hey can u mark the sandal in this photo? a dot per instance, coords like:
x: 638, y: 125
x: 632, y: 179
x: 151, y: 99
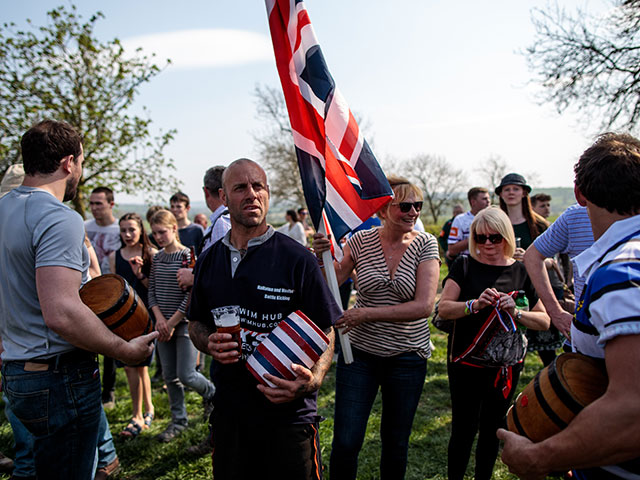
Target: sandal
x: 132, y: 430
x: 148, y: 418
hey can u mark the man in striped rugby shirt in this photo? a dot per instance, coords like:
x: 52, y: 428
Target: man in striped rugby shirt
x: 603, y: 441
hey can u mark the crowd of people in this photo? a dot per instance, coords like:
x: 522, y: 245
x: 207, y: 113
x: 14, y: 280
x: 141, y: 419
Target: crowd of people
x: 510, y: 289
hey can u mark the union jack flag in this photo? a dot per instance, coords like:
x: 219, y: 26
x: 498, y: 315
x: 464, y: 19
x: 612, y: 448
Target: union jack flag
x: 342, y: 181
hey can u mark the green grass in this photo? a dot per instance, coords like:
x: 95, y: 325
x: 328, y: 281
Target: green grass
x: 145, y: 458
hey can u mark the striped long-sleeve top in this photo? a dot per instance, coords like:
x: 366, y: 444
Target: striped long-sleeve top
x: 376, y: 288
x: 164, y: 291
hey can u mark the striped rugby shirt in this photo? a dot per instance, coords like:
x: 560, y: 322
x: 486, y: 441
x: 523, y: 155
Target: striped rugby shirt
x: 609, y: 304
x: 377, y: 289
x: 164, y: 291
x: 571, y: 234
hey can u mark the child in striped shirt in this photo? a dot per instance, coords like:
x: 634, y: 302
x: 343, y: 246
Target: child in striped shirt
x: 168, y: 303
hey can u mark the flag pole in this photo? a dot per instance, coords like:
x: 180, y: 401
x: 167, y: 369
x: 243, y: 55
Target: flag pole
x: 332, y: 280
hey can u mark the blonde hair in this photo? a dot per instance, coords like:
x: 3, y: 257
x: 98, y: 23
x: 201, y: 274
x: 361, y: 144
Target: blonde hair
x: 402, y: 189
x: 494, y: 219
x: 163, y: 217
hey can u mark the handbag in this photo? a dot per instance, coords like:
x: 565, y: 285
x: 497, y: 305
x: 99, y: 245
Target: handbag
x: 499, y: 343
x: 437, y: 321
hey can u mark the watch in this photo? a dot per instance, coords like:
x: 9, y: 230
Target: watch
x: 518, y: 314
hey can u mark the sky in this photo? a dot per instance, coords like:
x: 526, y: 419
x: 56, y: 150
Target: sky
x: 429, y: 76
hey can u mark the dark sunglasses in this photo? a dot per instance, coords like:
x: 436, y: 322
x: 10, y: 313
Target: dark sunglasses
x: 405, y: 207
x: 493, y: 238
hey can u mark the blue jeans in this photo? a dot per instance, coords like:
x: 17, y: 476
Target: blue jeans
x: 178, y: 357
x: 23, y: 445
x: 24, y: 465
x: 106, y: 452
x: 61, y: 408
x: 401, y: 379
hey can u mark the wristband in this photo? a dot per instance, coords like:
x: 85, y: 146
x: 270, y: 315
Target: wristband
x: 468, y: 307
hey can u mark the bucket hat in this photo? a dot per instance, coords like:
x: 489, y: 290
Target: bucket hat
x: 513, y: 179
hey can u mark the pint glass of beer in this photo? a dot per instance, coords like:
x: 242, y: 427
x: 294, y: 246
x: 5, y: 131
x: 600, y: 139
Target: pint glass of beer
x: 227, y: 320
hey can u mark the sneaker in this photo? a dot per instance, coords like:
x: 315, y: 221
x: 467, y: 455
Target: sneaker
x: 171, y: 432
x: 105, y: 472
x: 207, y: 406
x: 201, y: 449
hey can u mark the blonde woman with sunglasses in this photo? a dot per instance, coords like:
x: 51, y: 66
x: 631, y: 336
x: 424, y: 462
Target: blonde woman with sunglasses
x: 477, y: 292
x: 397, y: 275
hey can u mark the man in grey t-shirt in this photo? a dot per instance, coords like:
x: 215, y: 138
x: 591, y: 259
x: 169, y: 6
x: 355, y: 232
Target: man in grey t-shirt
x: 50, y: 375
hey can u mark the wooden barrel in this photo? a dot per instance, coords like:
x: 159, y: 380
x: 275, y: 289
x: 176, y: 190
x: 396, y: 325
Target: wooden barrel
x: 556, y: 395
x: 116, y: 303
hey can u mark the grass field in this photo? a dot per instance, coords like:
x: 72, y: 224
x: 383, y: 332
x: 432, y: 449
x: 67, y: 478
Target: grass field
x: 144, y: 458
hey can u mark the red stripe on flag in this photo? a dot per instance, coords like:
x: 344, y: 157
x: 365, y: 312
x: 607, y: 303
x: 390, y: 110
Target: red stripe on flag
x: 335, y: 175
x: 308, y: 321
x: 298, y: 340
x: 350, y: 138
x: 278, y: 365
x: 303, y: 21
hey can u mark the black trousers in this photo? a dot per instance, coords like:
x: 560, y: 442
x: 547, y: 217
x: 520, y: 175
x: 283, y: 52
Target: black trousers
x: 108, y: 378
x: 478, y: 405
x: 243, y: 450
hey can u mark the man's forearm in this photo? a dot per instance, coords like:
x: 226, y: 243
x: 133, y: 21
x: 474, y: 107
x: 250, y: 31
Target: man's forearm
x: 605, y: 432
x: 456, y: 248
x: 534, y: 262
x: 199, y: 334
x: 72, y: 320
x: 323, y: 364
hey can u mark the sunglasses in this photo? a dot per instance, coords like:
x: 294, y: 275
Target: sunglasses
x: 405, y: 207
x: 493, y: 238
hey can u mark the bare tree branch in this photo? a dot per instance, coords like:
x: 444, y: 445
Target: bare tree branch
x: 439, y: 181
x: 590, y: 64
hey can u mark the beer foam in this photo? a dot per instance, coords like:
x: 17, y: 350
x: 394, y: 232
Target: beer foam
x: 227, y: 320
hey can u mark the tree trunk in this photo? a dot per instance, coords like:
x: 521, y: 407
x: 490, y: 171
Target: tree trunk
x: 78, y: 203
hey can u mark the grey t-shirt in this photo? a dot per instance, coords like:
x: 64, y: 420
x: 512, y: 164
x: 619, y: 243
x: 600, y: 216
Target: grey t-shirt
x: 36, y: 230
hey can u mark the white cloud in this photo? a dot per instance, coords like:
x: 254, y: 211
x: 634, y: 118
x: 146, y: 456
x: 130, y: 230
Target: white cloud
x: 190, y: 49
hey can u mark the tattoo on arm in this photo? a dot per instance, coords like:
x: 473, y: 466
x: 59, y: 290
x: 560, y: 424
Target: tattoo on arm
x: 199, y: 333
x: 321, y: 367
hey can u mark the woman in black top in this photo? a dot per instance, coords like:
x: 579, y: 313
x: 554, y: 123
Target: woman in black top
x: 475, y: 290
x: 527, y: 225
x: 133, y: 262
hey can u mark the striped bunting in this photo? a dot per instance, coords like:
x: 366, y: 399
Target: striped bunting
x: 340, y: 176
x: 296, y: 339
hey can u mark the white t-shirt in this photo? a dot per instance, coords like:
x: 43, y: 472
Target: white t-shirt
x: 104, y: 241
x: 460, y: 229
x: 296, y: 232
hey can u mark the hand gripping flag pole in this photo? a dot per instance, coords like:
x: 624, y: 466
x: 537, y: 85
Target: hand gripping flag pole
x: 341, y: 178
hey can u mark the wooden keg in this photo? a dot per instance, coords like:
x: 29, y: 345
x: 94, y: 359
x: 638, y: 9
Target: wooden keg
x: 556, y: 395
x: 116, y: 303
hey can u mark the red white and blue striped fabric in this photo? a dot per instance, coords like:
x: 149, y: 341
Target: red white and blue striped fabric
x: 296, y: 339
x: 340, y: 176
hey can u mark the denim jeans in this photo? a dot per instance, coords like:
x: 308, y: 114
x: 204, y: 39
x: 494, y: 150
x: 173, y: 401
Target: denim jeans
x: 106, y: 452
x: 61, y: 408
x: 23, y: 445
x: 178, y: 357
x: 24, y: 464
x: 400, y: 379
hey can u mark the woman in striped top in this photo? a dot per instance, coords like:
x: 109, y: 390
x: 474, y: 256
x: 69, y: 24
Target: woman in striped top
x: 397, y: 274
x: 169, y: 303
